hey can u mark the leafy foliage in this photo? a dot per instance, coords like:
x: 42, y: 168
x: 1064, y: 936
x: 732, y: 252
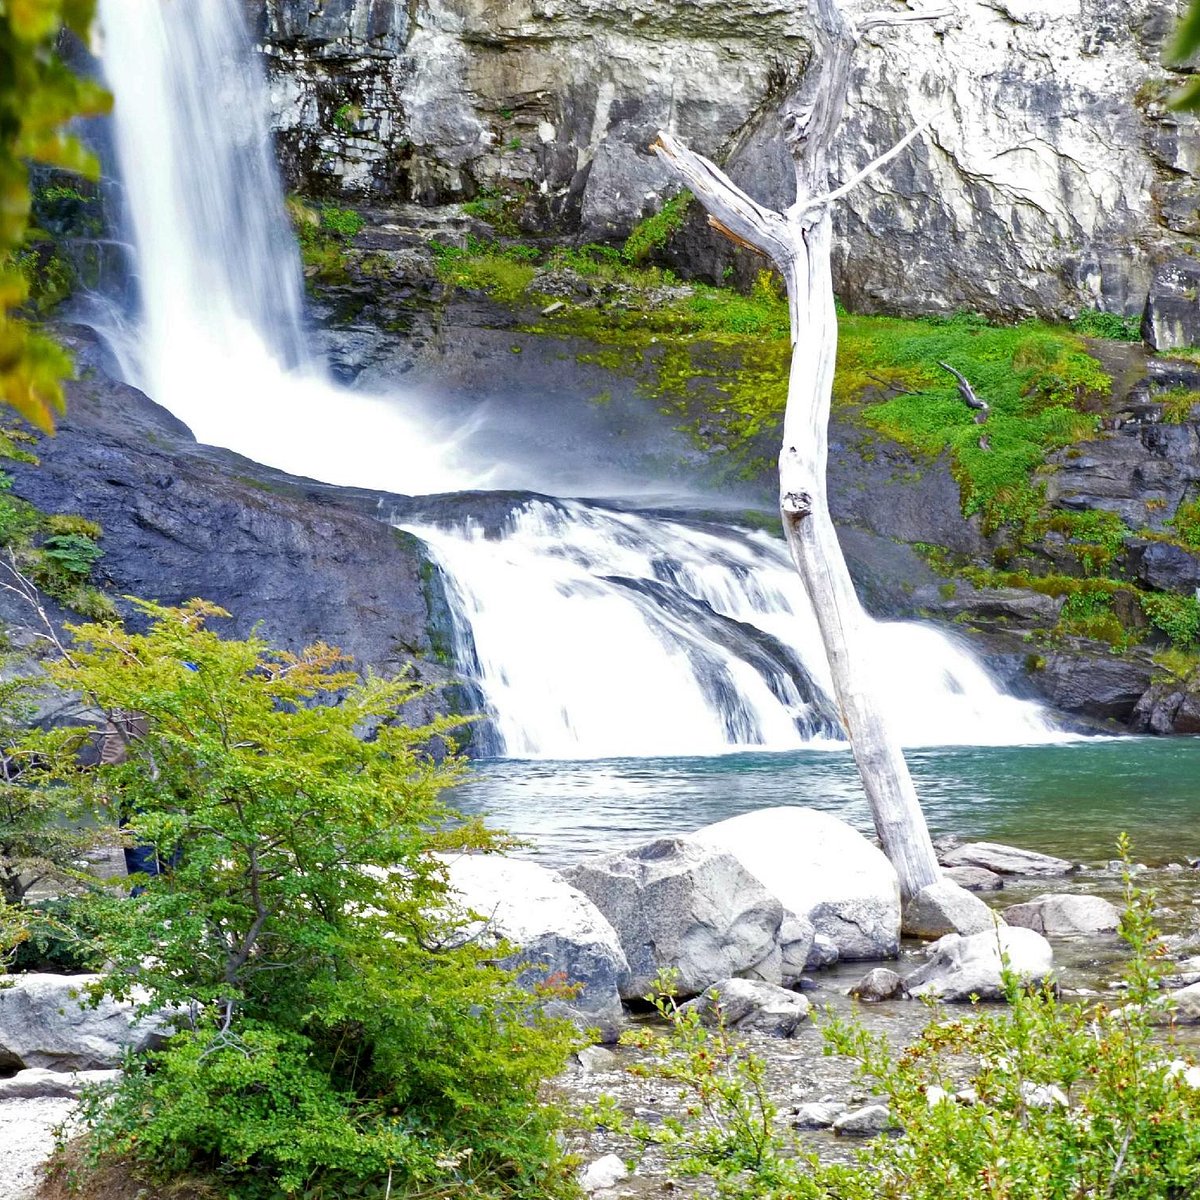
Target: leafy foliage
x: 652, y: 233
x: 1059, y: 1101
x: 337, y: 1034
x: 1091, y: 322
x: 1177, y: 616
x: 38, y: 96
x: 1184, y: 46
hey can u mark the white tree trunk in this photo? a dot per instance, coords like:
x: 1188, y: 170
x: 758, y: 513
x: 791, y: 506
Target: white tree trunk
x: 799, y: 242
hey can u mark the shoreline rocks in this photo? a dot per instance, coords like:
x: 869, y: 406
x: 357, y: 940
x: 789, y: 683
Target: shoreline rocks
x: 959, y: 968
x: 1005, y: 860
x: 1066, y: 914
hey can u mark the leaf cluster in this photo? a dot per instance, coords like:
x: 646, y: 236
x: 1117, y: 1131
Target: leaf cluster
x: 38, y: 97
x: 335, y: 1029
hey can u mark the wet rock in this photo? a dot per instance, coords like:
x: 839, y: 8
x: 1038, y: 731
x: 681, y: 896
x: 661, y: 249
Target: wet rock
x: 1162, y: 565
x: 559, y: 933
x: 823, y: 953
x: 975, y: 879
x: 822, y: 869
x: 602, y: 1174
x: 1183, y: 1007
x: 40, y: 1083
x: 945, y: 907
x: 1172, y: 312
x: 1065, y: 914
x: 751, y: 1006
x: 880, y: 984
x: 677, y: 904
x: 47, y: 1021
x: 1006, y: 860
x: 961, y: 967
x: 819, y: 1114
x: 870, y: 1121
x: 1094, y: 684
x: 1167, y: 709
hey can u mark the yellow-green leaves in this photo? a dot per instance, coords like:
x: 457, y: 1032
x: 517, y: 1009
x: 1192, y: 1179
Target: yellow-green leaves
x: 38, y: 96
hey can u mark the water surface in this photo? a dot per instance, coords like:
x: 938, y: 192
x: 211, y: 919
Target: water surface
x: 1071, y: 799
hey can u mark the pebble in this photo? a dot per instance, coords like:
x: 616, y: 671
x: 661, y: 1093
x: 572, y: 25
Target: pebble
x: 864, y: 1122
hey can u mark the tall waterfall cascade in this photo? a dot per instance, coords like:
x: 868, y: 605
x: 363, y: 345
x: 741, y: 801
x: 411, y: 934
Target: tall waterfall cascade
x: 591, y: 631
x: 220, y: 340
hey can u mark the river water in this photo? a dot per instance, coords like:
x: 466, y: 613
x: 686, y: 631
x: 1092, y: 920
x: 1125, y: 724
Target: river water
x: 1072, y: 800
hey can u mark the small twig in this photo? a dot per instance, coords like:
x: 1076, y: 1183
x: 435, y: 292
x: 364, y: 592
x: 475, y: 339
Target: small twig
x: 892, y: 385
x: 1112, y: 1179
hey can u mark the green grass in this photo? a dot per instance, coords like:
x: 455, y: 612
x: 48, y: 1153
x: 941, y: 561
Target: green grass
x: 653, y: 233
x: 1091, y: 322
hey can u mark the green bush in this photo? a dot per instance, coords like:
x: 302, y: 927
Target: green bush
x: 652, y: 233
x: 1091, y: 322
x: 338, y: 1035
x: 1068, y: 1101
x: 1176, y: 616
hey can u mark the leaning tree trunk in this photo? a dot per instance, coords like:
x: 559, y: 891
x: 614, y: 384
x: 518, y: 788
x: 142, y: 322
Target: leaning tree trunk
x: 799, y: 242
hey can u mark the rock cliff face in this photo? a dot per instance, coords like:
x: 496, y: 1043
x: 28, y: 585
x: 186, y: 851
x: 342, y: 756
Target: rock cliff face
x: 1053, y: 178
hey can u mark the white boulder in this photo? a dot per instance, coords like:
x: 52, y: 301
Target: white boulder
x: 1065, y: 914
x: 960, y: 967
x: 558, y: 931
x: 751, y: 1006
x: 679, y: 905
x: 602, y: 1174
x: 48, y: 1021
x: 821, y: 869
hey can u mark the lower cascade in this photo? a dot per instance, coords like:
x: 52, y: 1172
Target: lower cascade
x: 593, y: 632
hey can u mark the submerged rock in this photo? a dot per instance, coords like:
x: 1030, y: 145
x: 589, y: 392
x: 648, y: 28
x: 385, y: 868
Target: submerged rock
x: 751, y: 1006
x: 819, y: 1114
x: 961, y: 967
x: 1065, y: 914
x: 879, y: 984
x: 870, y: 1121
x: 602, y: 1174
x: 1006, y: 860
x: 679, y: 905
x: 559, y: 933
x: 821, y: 869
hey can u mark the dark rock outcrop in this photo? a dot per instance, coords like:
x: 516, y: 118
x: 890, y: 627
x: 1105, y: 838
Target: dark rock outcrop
x: 300, y: 560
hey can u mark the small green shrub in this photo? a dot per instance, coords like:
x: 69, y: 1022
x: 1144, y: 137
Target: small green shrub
x: 344, y: 222
x: 1091, y: 322
x: 652, y: 233
x: 1186, y: 523
x: 1176, y: 616
x: 1178, y: 403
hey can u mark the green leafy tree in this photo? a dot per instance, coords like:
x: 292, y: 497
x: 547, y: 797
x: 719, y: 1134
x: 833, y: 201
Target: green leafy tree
x: 38, y: 96
x: 337, y: 1034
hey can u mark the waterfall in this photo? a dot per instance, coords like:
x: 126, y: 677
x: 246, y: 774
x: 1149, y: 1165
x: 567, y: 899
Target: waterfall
x: 598, y: 633
x: 220, y: 340
x: 589, y: 630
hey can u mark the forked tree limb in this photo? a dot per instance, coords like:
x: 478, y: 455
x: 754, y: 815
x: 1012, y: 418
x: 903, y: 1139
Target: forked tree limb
x: 800, y: 244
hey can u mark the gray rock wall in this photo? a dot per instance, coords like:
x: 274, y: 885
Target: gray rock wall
x: 1053, y: 177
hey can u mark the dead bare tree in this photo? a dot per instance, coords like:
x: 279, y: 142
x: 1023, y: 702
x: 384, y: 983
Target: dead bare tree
x: 799, y: 241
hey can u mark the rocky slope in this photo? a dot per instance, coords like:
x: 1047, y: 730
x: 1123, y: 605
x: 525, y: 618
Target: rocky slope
x: 1053, y: 178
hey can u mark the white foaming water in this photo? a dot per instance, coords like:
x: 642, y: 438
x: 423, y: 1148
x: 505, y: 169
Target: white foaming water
x: 592, y: 632
x: 597, y: 634
x: 221, y: 342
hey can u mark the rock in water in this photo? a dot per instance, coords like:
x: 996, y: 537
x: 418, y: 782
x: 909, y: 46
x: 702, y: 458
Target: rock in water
x: 945, y: 907
x: 47, y: 1021
x: 751, y: 1006
x: 961, y: 967
x: 558, y: 930
x: 1065, y: 914
x: 821, y: 869
x: 677, y: 904
x: 879, y: 984
x: 975, y: 879
x: 1006, y: 860
x: 819, y: 1114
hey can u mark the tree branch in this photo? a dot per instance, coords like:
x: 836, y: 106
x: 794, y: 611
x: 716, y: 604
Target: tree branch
x: 876, y: 164
x: 737, y: 215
